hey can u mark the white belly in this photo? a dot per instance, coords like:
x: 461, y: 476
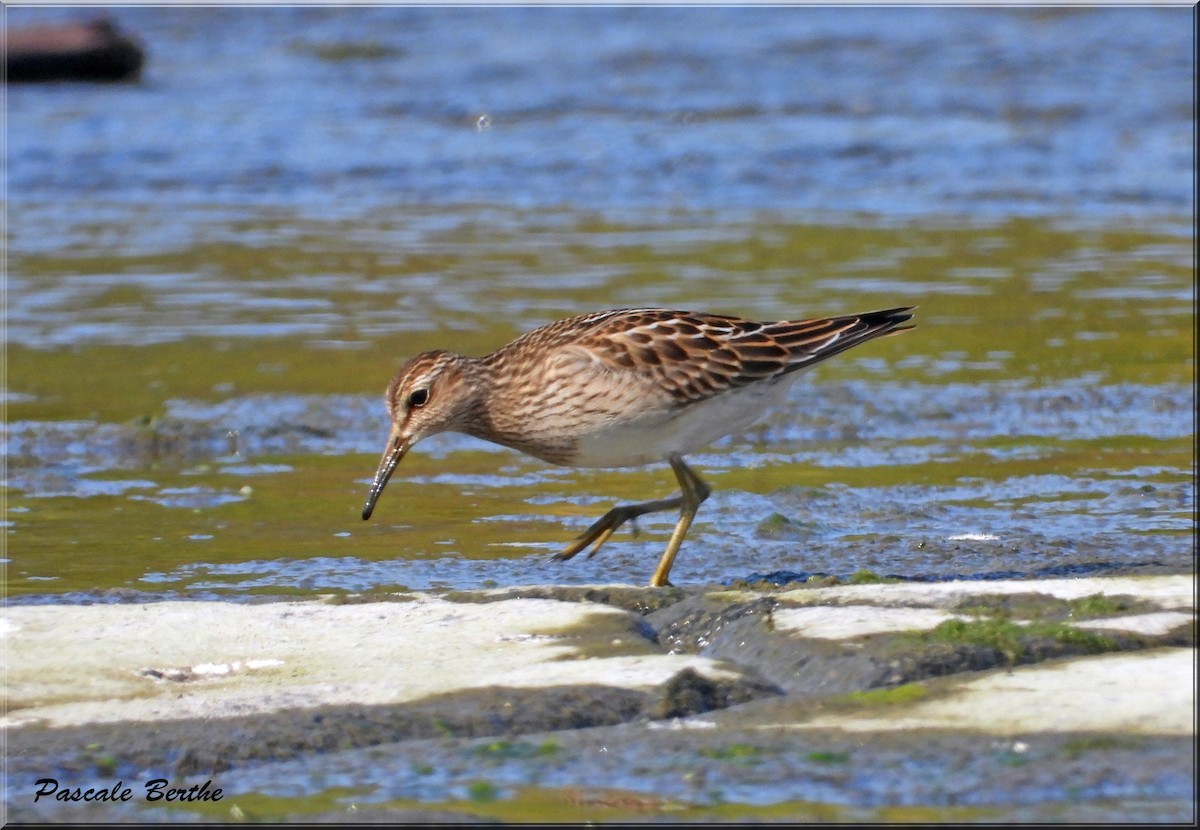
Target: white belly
x: 653, y: 438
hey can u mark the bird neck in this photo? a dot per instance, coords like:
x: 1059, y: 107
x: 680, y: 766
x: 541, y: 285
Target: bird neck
x: 476, y: 381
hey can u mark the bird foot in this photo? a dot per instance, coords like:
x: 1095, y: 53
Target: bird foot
x: 600, y: 531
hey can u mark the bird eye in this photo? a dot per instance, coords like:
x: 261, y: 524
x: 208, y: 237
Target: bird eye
x: 418, y: 398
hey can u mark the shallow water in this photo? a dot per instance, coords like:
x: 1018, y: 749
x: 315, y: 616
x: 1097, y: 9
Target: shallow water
x: 972, y: 446
x: 213, y: 273
x: 348, y: 112
x: 678, y: 771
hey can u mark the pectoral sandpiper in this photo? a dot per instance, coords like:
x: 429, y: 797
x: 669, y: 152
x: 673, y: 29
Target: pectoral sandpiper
x: 618, y: 389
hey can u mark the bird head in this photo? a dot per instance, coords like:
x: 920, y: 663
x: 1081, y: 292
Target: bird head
x: 428, y: 395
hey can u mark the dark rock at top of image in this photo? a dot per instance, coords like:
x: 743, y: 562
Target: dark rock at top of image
x: 94, y: 51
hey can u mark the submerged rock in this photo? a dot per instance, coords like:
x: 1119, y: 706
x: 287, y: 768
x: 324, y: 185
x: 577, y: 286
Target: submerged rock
x: 93, y: 51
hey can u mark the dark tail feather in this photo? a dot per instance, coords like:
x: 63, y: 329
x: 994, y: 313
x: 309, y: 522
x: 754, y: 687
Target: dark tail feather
x: 852, y: 330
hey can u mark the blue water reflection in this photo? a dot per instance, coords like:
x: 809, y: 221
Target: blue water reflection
x: 901, y: 111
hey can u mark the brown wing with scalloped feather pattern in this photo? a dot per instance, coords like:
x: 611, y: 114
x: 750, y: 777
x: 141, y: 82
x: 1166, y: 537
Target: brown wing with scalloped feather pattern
x: 693, y: 356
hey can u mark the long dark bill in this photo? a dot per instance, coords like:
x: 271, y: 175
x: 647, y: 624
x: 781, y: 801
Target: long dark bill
x: 387, y: 465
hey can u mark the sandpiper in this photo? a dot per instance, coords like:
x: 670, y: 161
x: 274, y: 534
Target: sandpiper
x: 618, y: 388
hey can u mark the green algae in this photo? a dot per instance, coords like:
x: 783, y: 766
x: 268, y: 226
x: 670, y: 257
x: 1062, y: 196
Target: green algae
x: 827, y: 757
x: 891, y: 696
x: 865, y: 577
x: 1033, y: 606
x: 1014, y: 641
x: 482, y: 792
x: 1105, y: 605
x: 505, y: 749
x: 738, y: 753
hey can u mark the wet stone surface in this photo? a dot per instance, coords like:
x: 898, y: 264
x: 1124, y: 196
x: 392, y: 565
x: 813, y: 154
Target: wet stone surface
x: 696, y: 741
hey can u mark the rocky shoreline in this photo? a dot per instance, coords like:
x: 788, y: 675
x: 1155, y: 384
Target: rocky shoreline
x: 766, y: 696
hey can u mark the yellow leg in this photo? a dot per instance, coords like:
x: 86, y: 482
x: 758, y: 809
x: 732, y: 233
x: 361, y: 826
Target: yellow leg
x: 693, y: 491
x: 603, y: 529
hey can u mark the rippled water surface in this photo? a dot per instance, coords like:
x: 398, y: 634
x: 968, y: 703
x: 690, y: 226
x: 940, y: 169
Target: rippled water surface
x: 212, y: 274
